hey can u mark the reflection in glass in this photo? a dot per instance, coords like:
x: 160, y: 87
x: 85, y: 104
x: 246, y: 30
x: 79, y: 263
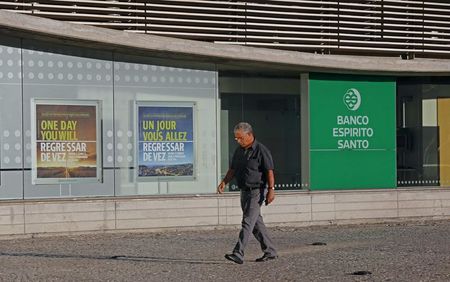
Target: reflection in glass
x: 423, y: 132
x: 272, y: 106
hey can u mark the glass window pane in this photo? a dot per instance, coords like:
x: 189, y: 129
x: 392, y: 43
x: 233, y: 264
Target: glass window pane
x: 11, y: 134
x: 57, y: 72
x: 272, y: 106
x: 423, y: 132
x: 146, y: 82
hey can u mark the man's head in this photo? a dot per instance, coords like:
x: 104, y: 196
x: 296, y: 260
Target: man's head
x: 243, y: 134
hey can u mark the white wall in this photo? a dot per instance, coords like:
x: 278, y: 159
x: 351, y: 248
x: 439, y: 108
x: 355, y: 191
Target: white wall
x: 211, y: 211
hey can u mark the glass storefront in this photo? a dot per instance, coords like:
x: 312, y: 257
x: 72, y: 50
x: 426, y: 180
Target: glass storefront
x: 271, y: 104
x: 166, y: 127
x: 46, y: 150
x: 423, y: 132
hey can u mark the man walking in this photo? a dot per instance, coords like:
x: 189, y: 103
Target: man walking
x: 252, y: 165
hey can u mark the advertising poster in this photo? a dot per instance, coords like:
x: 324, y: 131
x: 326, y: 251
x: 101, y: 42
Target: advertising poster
x: 65, y: 144
x: 166, y: 141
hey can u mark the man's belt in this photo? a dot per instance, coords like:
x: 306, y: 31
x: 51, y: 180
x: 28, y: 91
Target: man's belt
x: 249, y: 188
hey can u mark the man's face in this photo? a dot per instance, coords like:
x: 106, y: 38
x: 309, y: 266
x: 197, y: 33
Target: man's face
x: 244, y: 139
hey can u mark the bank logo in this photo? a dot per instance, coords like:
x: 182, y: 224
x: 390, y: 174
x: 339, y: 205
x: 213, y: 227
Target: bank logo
x: 352, y: 99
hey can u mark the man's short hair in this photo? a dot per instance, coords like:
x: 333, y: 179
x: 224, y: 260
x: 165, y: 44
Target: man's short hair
x: 244, y: 126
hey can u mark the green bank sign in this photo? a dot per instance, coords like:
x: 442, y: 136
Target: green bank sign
x: 352, y: 125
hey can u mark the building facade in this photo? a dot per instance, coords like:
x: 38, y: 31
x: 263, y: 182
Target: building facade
x: 103, y: 129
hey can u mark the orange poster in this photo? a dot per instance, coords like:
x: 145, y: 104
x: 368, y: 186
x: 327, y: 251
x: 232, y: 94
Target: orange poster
x: 66, y: 141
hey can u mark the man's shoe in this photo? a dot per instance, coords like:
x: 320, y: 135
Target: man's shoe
x: 266, y: 257
x: 234, y: 258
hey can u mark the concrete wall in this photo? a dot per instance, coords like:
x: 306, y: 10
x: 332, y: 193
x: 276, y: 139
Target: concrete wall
x: 211, y: 211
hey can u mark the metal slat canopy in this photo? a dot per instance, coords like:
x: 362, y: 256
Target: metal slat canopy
x: 381, y: 27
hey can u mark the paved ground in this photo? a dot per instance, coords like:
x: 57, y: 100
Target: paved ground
x: 418, y: 251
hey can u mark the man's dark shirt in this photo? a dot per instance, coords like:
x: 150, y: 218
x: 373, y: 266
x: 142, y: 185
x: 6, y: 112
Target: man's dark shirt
x: 250, y: 166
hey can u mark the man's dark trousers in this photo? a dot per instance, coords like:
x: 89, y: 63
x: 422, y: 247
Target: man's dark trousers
x: 252, y: 222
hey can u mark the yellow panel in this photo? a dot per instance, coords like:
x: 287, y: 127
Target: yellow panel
x: 444, y: 140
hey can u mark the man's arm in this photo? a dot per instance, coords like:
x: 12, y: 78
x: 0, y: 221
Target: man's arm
x: 271, y: 191
x: 225, y: 181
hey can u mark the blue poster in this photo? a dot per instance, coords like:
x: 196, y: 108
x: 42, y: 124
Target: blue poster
x: 166, y: 143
